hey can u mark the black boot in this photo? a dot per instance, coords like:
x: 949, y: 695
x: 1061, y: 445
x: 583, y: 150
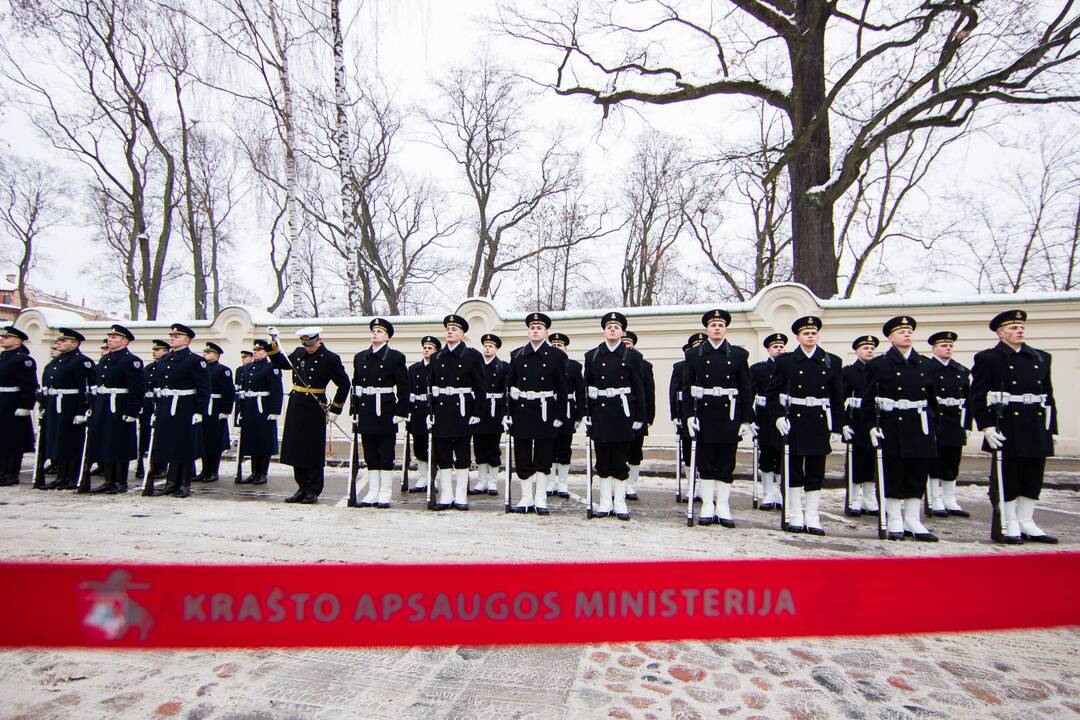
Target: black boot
x: 120, y: 473
x: 210, y: 469
x: 259, y: 477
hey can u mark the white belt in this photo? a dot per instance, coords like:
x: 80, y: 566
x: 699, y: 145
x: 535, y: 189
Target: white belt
x: 8, y: 389
x: 759, y: 401
x: 210, y: 405
x: 413, y: 397
x: 888, y: 405
x: 461, y: 392
x: 621, y: 393
x: 696, y: 391
x: 378, y: 392
x: 852, y: 403
x: 955, y: 402
x: 823, y: 403
x: 59, y: 393
x: 176, y: 395
x: 492, y: 399
x: 542, y: 395
x: 112, y: 392
x: 995, y: 397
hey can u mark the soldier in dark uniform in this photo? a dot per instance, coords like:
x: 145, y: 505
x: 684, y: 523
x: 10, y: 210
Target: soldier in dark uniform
x: 418, y: 410
x: 537, y: 387
x: 183, y: 394
x: 245, y: 363
x: 487, y: 434
x: 18, y: 392
x: 901, y: 400
x: 455, y: 391
x: 215, y: 426
x: 65, y: 384
x: 616, y: 411
x: 303, y: 440
x: 675, y: 399
x: 770, y: 444
x: 1012, y: 398
x: 856, y: 430
x: 157, y: 351
x: 954, y: 423
x: 805, y: 395
x: 260, y: 397
x: 380, y: 403
x: 637, y: 450
x: 718, y: 409
x: 575, y: 410
x: 119, y: 396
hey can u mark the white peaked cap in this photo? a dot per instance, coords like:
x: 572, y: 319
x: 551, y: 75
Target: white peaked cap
x: 309, y: 331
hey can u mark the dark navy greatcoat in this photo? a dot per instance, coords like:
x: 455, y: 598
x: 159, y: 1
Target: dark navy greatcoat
x: 760, y: 374
x: 68, y: 371
x: 855, y: 378
x: 17, y: 370
x: 176, y: 439
x: 261, y: 395
x: 612, y: 421
x: 953, y: 382
x: 726, y: 366
x: 648, y: 381
x: 462, y: 367
x: 539, y: 370
x: 818, y: 376
x: 913, y: 379
x: 222, y: 397
x: 383, y: 369
x: 303, y: 441
x: 418, y: 408
x: 1028, y: 432
x: 112, y: 438
x: 494, y: 384
x: 149, y: 401
x: 576, y: 401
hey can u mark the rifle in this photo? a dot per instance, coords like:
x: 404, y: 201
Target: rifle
x: 785, y: 488
x: 757, y: 476
x: 999, y: 509
x: 431, y: 470
x: 353, y: 469
x: 148, y: 483
x: 849, y: 491
x: 84, y: 461
x: 588, y: 472
x: 509, y: 473
x: 239, y: 444
x: 882, y: 532
x: 408, y: 459
x: 678, y: 465
x: 39, y: 456
x: 692, y: 480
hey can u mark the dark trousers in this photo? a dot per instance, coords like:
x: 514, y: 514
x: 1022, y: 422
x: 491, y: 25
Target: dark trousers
x: 611, y: 459
x: 905, y: 477
x: 807, y: 471
x: 452, y: 453
x: 863, y: 464
x: 1023, y: 477
x: 180, y: 474
x: 309, y: 479
x: 260, y: 465
x: 563, y: 451
x: 11, y: 464
x: 419, y: 446
x: 716, y: 461
x: 486, y: 448
x: 115, y: 473
x: 378, y: 451
x: 769, y: 459
x: 210, y: 465
x: 946, y: 466
x: 67, y: 468
x: 533, y: 456
x: 636, y: 453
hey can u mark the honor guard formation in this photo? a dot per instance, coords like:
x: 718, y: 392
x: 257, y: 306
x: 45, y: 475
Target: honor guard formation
x: 902, y: 417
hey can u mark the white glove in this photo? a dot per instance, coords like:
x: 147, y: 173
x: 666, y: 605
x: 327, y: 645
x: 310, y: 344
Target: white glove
x: 692, y: 426
x: 745, y: 429
x: 754, y: 430
x: 507, y: 421
x: 783, y: 425
x: 848, y: 433
x: 271, y: 417
x: 588, y: 421
x: 398, y: 419
x: 22, y: 412
x: 332, y: 417
x: 129, y: 418
x: 556, y: 423
x: 577, y: 426
x: 835, y: 438
x: 967, y: 435
x: 430, y: 421
x: 678, y: 423
x: 223, y: 416
x: 196, y: 418
x: 474, y: 420
x: 78, y: 419
x: 272, y: 331
x: 637, y: 425
x: 994, y: 438
x: 876, y: 436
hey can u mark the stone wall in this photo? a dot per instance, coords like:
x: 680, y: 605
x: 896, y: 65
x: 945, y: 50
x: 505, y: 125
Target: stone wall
x: 1053, y: 326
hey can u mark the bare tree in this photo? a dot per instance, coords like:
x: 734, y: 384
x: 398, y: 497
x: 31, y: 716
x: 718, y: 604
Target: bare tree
x: 655, y: 197
x: 912, y: 66
x: 481, y: 126
x: 31, y: 201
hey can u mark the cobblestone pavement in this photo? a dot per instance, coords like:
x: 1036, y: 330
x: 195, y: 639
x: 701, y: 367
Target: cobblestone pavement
x: 1003, y: 675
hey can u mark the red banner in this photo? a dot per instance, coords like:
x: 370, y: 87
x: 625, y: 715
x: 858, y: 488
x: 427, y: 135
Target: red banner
x: 187, y: 606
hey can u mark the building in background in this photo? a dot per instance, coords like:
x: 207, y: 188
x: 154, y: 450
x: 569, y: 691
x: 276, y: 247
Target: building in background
x: 10, y: 306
